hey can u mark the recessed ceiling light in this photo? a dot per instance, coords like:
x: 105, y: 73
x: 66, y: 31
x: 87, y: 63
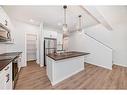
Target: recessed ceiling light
x: 31, y: 20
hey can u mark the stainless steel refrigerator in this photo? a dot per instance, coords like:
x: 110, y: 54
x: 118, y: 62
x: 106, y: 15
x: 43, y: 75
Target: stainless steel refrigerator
x: 50, y: 46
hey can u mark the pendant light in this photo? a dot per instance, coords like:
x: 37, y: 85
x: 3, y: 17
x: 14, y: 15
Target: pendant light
x: 79, y: 29
x: 65, y: 27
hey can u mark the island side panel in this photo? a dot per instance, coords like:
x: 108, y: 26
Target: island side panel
x: 65, y: 68
x: 49, y: 68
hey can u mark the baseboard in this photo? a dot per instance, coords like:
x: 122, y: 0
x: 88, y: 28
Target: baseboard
x: 123, y: 65
x: 110, y: 68
x: 41, y: 65
x: 31, y: 60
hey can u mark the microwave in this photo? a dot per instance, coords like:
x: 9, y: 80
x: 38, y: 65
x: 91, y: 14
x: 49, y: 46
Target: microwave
x: 4, y: 34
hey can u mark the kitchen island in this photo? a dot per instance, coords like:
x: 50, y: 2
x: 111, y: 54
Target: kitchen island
x: 61, y: 66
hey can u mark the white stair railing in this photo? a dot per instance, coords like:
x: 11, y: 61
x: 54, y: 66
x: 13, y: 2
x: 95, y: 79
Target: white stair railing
x: 99, y: 41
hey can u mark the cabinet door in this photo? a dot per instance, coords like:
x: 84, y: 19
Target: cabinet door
x: 8, y: 76
x: 2, y: 80
x: 1, y: 16
x: 4, y: 19
x: 49, y: 68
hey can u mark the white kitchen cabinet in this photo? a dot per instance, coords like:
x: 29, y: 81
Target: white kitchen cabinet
x: 59, y: 70
x: 2, y: 80
x: 8, y: 72
x: 5, y: 20
x: 50, y: 34
x: 6, y: 77
x: 2, y: 16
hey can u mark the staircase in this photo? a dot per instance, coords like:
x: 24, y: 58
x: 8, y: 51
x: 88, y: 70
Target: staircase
x: 100, y: 53
x: 98, y: 41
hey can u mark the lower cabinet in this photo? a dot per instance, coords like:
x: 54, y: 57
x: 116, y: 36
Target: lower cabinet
x: 2, y: 82
x: 6, y: 77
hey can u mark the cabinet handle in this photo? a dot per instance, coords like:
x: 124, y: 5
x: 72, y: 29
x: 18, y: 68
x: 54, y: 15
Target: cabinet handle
x: 6, y: 23
x: 7, y: 78
x: 7, y: 68
x: 8, y: 35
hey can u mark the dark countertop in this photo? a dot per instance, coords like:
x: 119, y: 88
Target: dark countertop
x: 66, y: 55
x: 6, y: 58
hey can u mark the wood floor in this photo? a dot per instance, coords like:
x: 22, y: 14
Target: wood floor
x: 93, y: 77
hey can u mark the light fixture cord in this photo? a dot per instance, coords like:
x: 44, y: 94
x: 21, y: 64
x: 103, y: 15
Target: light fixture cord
x: 79, y: 22
x: 64, y: 15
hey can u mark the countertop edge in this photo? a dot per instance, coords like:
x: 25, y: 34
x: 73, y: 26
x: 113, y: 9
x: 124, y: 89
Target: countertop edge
x: 8, y: 61
x: 68, y: 56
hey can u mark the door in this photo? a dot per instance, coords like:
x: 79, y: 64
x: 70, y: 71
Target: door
x: 31, y: 47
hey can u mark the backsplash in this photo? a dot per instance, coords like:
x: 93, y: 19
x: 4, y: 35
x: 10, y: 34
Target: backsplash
x: 2, y: 48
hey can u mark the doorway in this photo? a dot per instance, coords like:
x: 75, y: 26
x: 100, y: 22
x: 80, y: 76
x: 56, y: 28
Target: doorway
x: 31, y: 44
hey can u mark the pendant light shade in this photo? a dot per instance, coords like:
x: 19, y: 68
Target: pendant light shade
x: 65, y: 27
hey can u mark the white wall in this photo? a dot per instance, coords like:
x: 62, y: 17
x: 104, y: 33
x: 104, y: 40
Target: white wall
x: 99, y: 54
x: 100, y: 33
x: 116, y: 16
x: 120, y: 44
x: 20, y: 30
x: 41, y: 45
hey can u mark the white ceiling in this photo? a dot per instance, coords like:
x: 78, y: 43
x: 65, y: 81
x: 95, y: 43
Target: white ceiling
x: 115, y: 14
x: 51, y: 15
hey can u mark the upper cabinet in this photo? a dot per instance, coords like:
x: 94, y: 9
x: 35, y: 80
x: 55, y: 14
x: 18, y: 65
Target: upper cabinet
x: 50, y: 34
x: 5, y: 20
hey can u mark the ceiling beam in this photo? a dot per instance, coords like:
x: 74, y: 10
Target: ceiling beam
x: 92, y: 11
